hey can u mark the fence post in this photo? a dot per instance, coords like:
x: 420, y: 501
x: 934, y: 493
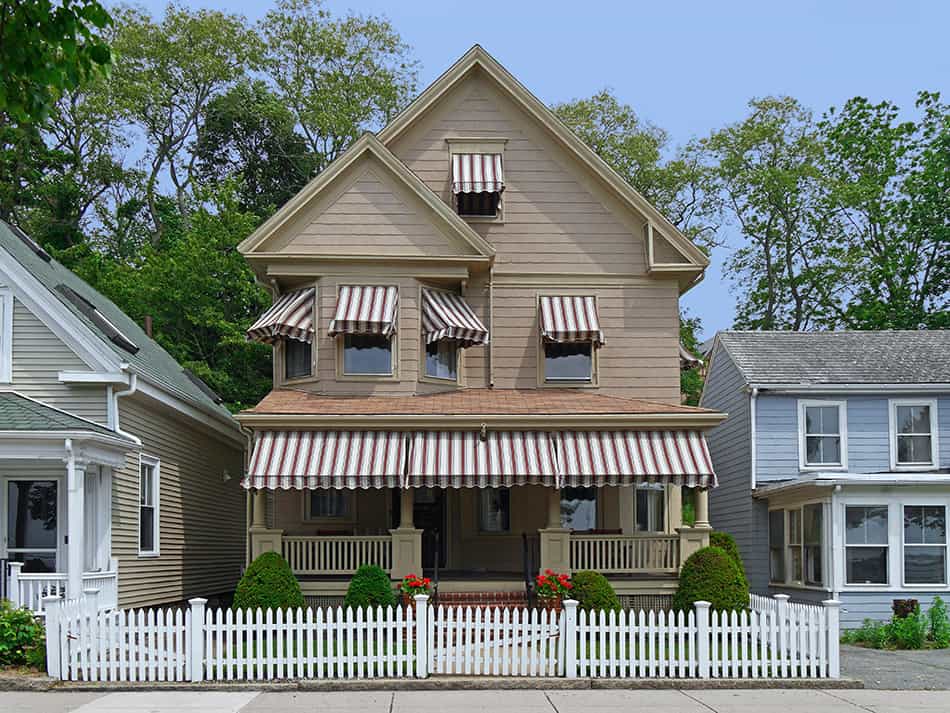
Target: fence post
x: 13, y: 584
x: 52, y: 605
x: 570, y: 637
x: 422, y: 635
x: 196, y: 652
x: 832, y: 612
x: 702, y: 638
x: 781, y: 613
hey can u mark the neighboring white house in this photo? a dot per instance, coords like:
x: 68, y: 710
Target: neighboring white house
x: 119, y: 470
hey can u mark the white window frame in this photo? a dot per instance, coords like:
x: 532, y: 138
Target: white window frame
x: 888, y: 546
x: 904, y: 545
x: 6, y: 335
x: 803, y: 463
x: 786, y: 509
x: 892, y: 429
x: 155, y: 463
x: 783, y: 547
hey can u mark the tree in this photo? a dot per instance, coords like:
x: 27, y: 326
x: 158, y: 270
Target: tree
x: 691, y: 380
x: 339, y: 77
x: 47, y: 48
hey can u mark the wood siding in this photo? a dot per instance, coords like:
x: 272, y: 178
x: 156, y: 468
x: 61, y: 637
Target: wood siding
x: 202, y: 528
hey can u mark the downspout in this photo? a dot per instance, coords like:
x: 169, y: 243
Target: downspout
x: 491, y: 326
x: 133, y: 387
x: 249, y: 498
x: 752, y: 398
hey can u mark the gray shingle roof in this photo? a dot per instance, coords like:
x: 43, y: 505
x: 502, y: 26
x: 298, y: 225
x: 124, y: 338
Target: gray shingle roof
x: 18, y: 413
x: 150, y: 361
x: 886, y: 357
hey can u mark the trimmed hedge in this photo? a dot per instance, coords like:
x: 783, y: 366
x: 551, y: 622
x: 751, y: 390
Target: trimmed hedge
x: 268, y: 583
x: 710, y: 574
x: 725, y: 541
x: 370, y: 587
x: 593, y: 592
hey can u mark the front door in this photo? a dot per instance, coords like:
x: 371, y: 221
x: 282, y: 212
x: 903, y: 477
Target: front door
x: 31, y: 510
x: 428, y: 514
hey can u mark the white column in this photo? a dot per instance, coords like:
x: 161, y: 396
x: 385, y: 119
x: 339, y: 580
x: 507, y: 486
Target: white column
x: 554, y: 508
x: 75, y: 495
x: 406, y: 504
x: 702, y: 508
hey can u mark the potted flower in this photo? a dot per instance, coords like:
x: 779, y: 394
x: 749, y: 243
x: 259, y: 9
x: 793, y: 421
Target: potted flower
x: 552, y: 588
x: 413, y: 585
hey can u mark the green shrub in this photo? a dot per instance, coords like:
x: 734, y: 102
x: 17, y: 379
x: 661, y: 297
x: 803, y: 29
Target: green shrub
x: 872, y: 633
x: 370, y: 587
x: 22, y: 638
x: 593, y: 592
x: 939, y: 623
x: 909, y: 632
x: 268, y: 583
x: 710, y: 574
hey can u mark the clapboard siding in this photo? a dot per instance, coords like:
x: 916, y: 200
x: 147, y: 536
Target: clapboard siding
x: 202, y: 526
x: 38, y: 357
x: 858, y: 606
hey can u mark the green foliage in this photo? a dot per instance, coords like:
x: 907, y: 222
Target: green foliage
x: 689, y: 513
x: 47, y: 48
x: 593, y: 592
x: 711, y: 574
x: 691, y: 378
x: 22, y: 638
x: 872, y: 633
x: 909, y: 632
x: 370, y: 587
x: 914, y: 630
x: 268, y: 583
x: 939, y: 624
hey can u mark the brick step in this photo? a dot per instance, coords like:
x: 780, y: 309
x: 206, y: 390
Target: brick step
x: 484, y: 599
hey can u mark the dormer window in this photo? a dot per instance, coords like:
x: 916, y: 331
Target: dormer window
x: 477, y: 181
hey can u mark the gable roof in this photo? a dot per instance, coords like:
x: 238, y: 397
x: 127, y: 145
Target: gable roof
x: 149, y: 360
x: 367, y: 144
x: 882, y: 357
x: 478, y: 57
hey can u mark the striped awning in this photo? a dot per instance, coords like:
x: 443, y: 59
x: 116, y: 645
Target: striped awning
x: 569, y: 318
x: 477, y: 173
x: 445, y: 315
x: 462, y: 459
x: 290, y: 317
x: 599, y: 458
x: 365, y: 309
x: 327, y: 459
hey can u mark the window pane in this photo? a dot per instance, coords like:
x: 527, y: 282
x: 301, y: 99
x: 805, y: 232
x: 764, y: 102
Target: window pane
x: 146, y: 529
x: 145, y: 485
x: 442, y: 359
x: 913, y: 449
x: 567, y: 362
x: 813, y: 568
x: 925, y: 565
x: 935, y: 525
x: 31, y: 514
x: 795, y: 560
x: 777, y: 528
x: 35, y: 562
x: 823, y: 449
x: 913, y: 419
x: 484, y: 203
x: 813, y: 530
x: 327, y: 503
x: 367, y: 354
x: 866, y: 565
x: 777, y: 546
x: 821, y: 419
x: 495, y: 509
x: 776, y: 565
x: 579, y: 508
x: 795, y: 527
x: 866, y: 525
x: 297, y: 359
x: 651, y: 503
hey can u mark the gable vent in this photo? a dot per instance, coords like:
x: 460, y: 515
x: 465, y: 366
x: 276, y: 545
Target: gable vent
x: 97, y: 318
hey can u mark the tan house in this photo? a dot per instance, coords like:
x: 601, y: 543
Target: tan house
x: 476, y: 358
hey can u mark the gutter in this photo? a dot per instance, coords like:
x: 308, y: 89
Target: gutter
x: 793, y: 388
x: 116, y: 395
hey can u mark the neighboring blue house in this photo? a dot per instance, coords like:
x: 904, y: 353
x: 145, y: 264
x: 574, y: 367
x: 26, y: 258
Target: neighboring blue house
x: 834, y: 463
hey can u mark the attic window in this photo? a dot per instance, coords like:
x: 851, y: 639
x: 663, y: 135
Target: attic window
x: 477, y: 183
x: 87, y: 308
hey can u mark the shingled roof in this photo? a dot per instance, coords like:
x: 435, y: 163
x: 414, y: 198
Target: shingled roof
x: 19, y: 413
x: 882, y: 357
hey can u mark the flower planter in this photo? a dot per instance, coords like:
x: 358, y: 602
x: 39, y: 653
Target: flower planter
x: 552, y: 605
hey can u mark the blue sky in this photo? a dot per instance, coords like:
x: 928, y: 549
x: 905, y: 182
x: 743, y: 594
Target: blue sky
x: 688, y: 67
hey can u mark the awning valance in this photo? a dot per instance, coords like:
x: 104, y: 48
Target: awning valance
x: 477, y: 173
x: 445, y: 315
x: 327, y: 459
x: 290, y: 317
x: 463, y: 459
x: 365, y: 309
x: 601, y: 458
x: 569, y: 318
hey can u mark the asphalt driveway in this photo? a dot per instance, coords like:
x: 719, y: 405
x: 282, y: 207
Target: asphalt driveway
x: 928, y: 669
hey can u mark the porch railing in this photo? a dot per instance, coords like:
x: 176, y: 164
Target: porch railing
x: 625, y: 554
x: 27, y: 589
x: 336, y: 554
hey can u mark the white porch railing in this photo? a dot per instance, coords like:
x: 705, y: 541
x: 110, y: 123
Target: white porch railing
x: 27, y: 589
x: 336, y: 554
x: 625, y: 554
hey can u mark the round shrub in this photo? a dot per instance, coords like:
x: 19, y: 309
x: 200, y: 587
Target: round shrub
x: 726, y: 542
x: 370, y: 587
x: 593, y: 592
x: 710, y: 574
x: 268, y: 583
x: 22, y: 639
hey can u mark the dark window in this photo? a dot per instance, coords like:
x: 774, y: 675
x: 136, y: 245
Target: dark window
x: 777, y: 546
x: 822, y: 435
x: 651, y: 507
x: 914, y: 435
x: 814, y: 534
x: 442, y: 359
x: 369, y: 354
x: 495, y: 510
x: 327, y: 503
x: 579, y: 508
x: 478, y: 204
x: 795, y: 544
x: 147, y: 522
x: 571, y: 361
x: 298, y: 358
x: 925, y: 544
x: 31, y: 524
x: 866, y: 544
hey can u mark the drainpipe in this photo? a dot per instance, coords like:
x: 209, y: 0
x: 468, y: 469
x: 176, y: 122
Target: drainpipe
x: 491, y: 326
x: 133, y: 387
x: 755, y: 393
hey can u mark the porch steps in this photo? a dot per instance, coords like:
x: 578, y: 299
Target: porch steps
x: 506, y: 600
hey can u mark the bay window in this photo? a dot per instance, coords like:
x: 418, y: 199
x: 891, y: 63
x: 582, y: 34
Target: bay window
x: 813, y: 536
x: 777, y: 545
x: 367, y: 355
x: 795, y: 545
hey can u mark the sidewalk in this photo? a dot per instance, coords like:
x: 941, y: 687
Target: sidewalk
x: 590, y: 701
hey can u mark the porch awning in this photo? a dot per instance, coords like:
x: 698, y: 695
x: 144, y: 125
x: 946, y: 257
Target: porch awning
x: 290, y: 317
x: 569, y: 318
x: 365, y: 309
x: 327, y: 459
x: 445, y: 315
x: 477, y: 173
x: 463, y: 459
x: 601, y: 458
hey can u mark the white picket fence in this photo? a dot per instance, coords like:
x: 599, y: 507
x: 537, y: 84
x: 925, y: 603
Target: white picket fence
x: 774, y: 639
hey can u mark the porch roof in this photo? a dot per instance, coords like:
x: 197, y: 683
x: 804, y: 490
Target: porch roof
x: 21, y: 413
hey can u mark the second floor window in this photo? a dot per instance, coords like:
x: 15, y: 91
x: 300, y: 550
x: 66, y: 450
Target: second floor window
x: 912, y: 437
x: 823, y: 442
x: 367, y: 354
x: 442, y: 360
x: 297, y: 359
x: 570, y: 362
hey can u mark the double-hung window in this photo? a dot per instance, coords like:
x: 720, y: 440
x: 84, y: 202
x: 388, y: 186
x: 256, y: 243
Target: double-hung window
x: 777, y: 545
x: 327, y: 504
x: 795, y: 545
x: 913, y: 435
x: 823, y: 434
x: 650, y: 507
x: 925, y: 544
x: 495, y: 509
x: 148, y: 505
x: 298, y: 359
x: 866, y: 544
x: 579, y: 508
x: 367, y: 355
x: 812, y: 537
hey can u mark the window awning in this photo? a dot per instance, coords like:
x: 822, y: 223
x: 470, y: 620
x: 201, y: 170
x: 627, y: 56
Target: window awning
x: 569, y: 318
x: 477, y: 173
x: 365, y: 309
x: 445, y: 315
x: 601, y: 458
x: 461, y: 459
x: 290, y: 317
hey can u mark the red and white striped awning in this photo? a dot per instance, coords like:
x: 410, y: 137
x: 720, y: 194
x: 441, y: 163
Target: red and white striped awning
x: 599, y: 458
x: 569, y: 318
x: 365, y: 309
x: 445, y: 315
x: 477, y: 173
x: 290, y: 317
x: 327, y: 459
x: 461, y: 459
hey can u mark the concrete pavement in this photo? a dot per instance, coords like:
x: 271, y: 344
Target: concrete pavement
x: 525, y: 701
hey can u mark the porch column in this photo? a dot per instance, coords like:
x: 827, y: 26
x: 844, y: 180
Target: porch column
x: 675, y: 499
x: 75, y: 496
x: 702, y: 508
x: 262, y: 539
x: 696, y: 537
x: 259, y: 513
x: 555, y: 540
x: 406, y: 539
